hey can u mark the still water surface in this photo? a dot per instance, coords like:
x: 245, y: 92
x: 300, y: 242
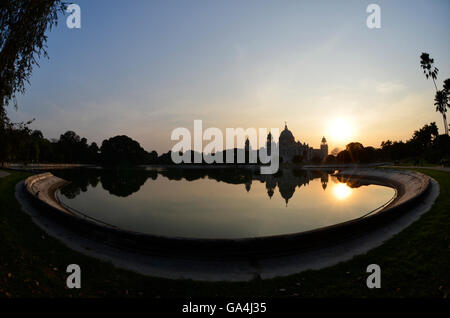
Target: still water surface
x: 218, y: 203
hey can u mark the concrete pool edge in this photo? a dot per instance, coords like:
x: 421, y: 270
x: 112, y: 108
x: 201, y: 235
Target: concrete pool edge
x: 41, y: 189
x: 272, y: 262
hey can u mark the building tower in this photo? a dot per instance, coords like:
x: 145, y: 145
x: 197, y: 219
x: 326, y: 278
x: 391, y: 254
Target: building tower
x: 324, y: 147
x: 247, y: 145
x: 269, y: 143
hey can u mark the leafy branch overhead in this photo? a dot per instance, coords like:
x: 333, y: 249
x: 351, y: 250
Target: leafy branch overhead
x: 23, y: 27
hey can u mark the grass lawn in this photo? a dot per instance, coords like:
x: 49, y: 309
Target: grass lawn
x: 415, y: 263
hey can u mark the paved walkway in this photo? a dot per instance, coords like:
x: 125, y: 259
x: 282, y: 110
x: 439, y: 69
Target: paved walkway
x: 3, y: 174
x: 421, y: 167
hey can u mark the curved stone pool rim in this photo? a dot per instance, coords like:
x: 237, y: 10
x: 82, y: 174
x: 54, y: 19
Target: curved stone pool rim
x: 411, y: 187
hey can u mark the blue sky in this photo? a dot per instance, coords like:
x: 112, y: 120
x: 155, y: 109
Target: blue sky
x: 143, y: 68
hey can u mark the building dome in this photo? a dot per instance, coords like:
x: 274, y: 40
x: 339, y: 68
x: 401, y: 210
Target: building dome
x: 324, y: 140
x: 286, y: 136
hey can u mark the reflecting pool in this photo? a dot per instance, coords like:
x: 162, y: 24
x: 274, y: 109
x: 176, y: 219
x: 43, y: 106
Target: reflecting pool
x: 218, y: 203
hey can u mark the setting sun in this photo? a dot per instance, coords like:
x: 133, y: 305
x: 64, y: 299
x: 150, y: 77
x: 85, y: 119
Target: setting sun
x: 342, y: 191
x: 341, y: 130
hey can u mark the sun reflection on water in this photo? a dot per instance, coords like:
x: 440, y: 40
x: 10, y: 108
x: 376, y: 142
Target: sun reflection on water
x: 342, y: 191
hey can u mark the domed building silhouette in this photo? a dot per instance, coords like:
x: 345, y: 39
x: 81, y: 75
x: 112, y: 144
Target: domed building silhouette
x: 289, y: 148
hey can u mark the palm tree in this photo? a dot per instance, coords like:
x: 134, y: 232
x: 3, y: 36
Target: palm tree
x: 447, y: 86
x: 441, y: 103
x: 447, y: 91
x: 428, y: 69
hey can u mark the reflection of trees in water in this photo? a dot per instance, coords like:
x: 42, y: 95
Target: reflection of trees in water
x: 124, y: 182
x: 353, y: 181
x: 180, y: 174
x: 80, y: 180
x: 119, y: 182
x: 71, y: 191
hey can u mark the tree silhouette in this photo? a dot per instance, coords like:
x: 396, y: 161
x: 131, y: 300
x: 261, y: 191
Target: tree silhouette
x: 330, y: 159
x: 343, y: 157
x: 424, y: 137
x: 441, y: 98
x: 447, y: 90
x: 23, y: 24
x: 122, y: 150
x: 447, y: 87
x: 356, y: 152
x: 441, y: 103
x: 426, y: 62
x: 68, y: 146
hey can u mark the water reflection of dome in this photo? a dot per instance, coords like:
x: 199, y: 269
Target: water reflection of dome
x: 286, y: 191
x: 287, y: 185
x: 124, y: 182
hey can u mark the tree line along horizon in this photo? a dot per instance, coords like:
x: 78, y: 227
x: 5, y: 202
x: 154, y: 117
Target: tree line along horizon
x: 23, y: 39
x: 23, y: 145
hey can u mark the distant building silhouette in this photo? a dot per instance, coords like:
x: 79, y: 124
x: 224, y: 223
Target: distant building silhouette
x: 247, y: 145
x: 289, y: 148
x: 324, y: 146
x: 269, y: 143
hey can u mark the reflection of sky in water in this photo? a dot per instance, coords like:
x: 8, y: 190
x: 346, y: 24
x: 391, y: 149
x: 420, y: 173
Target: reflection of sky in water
x: 207, y: 208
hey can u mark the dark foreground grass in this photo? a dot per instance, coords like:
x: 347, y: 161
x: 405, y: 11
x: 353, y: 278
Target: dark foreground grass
x: 414, y: 263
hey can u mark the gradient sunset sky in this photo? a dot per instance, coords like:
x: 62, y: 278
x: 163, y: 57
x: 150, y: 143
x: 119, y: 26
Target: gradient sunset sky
x: 143, y: 68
